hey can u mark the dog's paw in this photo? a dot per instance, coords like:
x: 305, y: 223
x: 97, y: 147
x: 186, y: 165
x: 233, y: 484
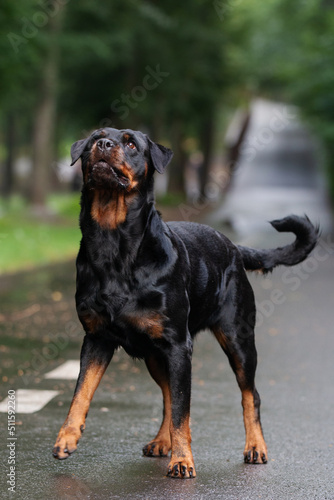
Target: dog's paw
x: 158, y: 448
x: 181, y: 469
x: 66, y: 442
x: 255, y: 455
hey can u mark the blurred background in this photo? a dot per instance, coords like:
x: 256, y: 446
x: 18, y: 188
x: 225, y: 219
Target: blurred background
x: 241, y: 90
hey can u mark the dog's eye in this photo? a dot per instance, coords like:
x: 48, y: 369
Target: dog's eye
x: 131, y: 145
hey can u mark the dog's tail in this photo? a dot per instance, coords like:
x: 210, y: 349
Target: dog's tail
x: 265, y: 260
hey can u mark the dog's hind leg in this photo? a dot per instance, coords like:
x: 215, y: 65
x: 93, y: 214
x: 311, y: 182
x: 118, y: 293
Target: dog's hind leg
x: 95, y: 357
x: 161, y: 444
x: 236, y: 337
x: 243, y: 363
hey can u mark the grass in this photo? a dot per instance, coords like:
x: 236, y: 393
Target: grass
x: 170, y: 199
x: 27, y: 241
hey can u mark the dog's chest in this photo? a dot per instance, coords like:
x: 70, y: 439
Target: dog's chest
x: 140, y: 321
x: 126, y: 308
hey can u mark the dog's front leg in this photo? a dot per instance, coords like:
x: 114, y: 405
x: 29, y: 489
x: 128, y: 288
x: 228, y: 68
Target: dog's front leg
x: 179, y: 363
x: 95, y: 357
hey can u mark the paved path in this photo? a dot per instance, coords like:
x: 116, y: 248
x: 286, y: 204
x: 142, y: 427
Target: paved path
x: 295, y: 379
x: 278, y: 173
x: 40, y: 340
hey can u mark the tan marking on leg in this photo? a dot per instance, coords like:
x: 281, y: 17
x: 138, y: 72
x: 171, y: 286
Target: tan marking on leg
x: 74, y: 424
x: 181, y: 464
x: 91, y: 322
x: 221, y: 337
x: 161, y: 444
x: 255, y: 447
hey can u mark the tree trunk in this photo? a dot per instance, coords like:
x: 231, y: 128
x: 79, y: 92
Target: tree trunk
x: 44, y: 124
x: 207, y: 144
x: 8, y: 177
x: 176, y: 182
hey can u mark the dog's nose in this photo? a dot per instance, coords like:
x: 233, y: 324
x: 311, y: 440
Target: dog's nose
x: 104, y: 144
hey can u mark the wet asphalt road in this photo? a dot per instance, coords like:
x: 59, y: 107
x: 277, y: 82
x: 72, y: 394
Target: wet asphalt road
x: 295, y: 379
x: 278, y: 172
x: 39, y: 331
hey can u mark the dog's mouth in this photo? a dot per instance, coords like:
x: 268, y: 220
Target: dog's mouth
x: 106, y: 171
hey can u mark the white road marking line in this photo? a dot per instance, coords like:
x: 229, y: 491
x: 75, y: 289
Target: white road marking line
x: 67, y: 371
x: 29, y: 400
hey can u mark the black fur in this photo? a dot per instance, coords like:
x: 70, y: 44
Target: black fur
x: 290, y: 255
x: 150, y: 287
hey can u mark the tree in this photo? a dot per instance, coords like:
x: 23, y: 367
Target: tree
x: 161, y: 69
x: 126, y: 64
x: 15, y: 61
x: 287, y: 54
x: 45, y: 112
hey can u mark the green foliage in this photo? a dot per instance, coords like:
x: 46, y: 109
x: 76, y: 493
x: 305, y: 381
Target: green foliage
x: 204, y: 54
x: 65, y: 205
x: 110, y: 51
x: 21, y: 47
x: 137, y: 64
x: 170, y: 199
x: 27, y: 241
x: 290, y: 57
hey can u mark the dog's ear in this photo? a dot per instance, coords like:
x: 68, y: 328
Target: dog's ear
x: 160, y: 156
x: 77, y: 149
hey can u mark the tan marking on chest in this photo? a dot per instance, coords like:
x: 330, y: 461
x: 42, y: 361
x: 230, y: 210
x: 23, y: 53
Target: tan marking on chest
x: 111, y: 213
x: 152, y: 323
x: 91, y: 322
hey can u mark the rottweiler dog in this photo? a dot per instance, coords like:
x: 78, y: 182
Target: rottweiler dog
x: 150, y: 287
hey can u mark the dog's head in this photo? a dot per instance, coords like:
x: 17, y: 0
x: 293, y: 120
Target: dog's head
x: 119, y: 159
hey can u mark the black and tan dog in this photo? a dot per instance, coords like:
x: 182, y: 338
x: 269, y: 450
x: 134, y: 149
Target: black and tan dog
x: 150, y: 287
